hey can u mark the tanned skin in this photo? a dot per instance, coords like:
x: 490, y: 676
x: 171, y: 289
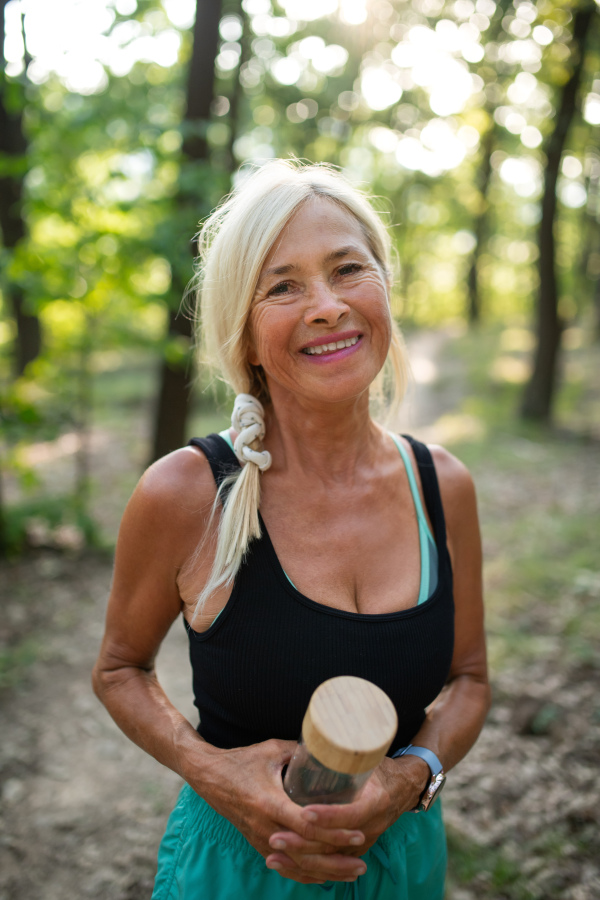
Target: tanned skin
x: 337, y: 496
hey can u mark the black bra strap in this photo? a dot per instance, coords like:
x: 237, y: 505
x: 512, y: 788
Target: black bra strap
x: 221, y: 458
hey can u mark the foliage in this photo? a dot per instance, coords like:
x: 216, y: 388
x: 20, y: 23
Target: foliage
x: 406, y: 97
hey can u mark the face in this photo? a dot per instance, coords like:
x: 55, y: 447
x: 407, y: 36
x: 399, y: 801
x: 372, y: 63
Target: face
x: 320, y: 322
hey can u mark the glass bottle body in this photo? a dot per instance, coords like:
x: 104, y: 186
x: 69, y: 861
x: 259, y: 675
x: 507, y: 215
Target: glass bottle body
x: 309, y: 781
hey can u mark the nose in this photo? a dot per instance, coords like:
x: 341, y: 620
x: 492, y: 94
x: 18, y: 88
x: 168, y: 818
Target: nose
x: 325, y: 306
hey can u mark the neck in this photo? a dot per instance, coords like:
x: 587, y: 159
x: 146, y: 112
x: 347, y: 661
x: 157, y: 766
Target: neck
x: 328, y: 441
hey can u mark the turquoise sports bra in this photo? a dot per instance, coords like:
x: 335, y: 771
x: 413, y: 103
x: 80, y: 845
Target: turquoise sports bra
x: 428, y: 549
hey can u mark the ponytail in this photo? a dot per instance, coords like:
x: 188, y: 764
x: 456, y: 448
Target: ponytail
x: 239, y: 496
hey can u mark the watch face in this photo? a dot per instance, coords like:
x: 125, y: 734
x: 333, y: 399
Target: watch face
x: 432, y: 792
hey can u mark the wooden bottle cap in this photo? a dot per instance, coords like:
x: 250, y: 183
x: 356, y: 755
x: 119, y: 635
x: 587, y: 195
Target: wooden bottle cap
x: 349, y: 724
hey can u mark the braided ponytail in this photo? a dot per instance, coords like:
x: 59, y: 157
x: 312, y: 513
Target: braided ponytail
x: 239, y: 519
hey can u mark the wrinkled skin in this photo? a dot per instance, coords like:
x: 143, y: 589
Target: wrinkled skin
x: 353, y: 518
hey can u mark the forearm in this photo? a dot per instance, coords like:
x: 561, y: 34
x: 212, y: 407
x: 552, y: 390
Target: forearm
x: 139, y: 706
x: 454, y: 721
x: 450, y: 729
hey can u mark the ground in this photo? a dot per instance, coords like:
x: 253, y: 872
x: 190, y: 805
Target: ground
x: 82, y: 809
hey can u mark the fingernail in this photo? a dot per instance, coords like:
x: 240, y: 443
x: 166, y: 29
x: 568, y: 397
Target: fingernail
x: 274, y: 865
x: 360, y: 871
x: 311, y: 816
x: 278, y: 844
x: 356, y: 840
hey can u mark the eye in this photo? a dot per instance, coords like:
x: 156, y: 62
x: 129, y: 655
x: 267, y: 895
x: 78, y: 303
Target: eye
x: 279, y: 289
x: 349, y: 269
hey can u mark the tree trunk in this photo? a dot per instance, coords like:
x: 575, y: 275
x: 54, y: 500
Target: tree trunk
x: 480, y: 228
x: 12, y: 224
x: 484, y: 177
x: 237, y: 92
x: 174, y: 397
x: 591, y: 256
x: 539, y: 393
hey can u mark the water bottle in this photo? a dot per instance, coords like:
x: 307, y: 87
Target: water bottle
x: 348, y: 728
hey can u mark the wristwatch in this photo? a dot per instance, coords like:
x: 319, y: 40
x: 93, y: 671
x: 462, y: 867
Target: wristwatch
x: 438, y: 778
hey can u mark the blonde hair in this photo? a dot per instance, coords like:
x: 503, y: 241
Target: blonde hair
x: 234, y: 243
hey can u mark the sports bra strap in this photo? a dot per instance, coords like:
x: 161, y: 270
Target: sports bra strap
x: 431, y: 489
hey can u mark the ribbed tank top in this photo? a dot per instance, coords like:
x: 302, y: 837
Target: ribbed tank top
x: 256, y: 667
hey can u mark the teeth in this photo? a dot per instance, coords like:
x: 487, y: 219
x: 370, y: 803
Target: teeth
x: 339, y: 345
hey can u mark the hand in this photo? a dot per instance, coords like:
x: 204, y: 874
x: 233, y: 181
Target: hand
x: 245, y: 786
x: 394, y: 788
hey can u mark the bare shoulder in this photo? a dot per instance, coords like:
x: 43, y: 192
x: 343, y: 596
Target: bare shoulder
x: 459, y: 501
x: 456, y: 483
x: 182, y: 479
x: 171, y: 503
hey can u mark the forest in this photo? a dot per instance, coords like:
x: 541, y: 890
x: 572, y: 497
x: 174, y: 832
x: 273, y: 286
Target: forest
x: 476, y: 126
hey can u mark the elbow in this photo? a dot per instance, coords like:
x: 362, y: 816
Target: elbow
x: 484, y: 691
x: 113, y: 675
x: 105, y: 677
x: 98, y: 682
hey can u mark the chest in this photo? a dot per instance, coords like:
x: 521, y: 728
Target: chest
x: 356, y: 551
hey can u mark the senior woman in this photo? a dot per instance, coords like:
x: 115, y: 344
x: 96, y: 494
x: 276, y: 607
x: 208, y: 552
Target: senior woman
x: 305, y: 542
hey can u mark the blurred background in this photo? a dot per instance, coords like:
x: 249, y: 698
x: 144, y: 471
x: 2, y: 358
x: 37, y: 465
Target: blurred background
x: 477, y: 126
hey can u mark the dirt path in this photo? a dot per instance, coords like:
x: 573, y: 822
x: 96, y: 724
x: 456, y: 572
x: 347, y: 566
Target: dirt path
x: 82, y: 809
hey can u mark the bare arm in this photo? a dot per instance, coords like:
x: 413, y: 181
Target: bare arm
x: 454, y: 721
x: 143, y: 603
x: 163, y: 522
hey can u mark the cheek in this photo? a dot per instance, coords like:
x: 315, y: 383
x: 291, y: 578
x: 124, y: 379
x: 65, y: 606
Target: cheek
x: 374, y: 306
x: 269, y: 331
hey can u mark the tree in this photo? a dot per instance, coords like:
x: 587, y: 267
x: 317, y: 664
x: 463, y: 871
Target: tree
x: 539, y: 393
x: 176, y: 371
x: 13, y: 149
x: 481, y: 224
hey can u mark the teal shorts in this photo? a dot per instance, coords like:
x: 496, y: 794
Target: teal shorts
x: 202, y: 856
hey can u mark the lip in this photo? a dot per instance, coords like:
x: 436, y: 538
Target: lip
x: 330, y: 338
x: 333, y: 356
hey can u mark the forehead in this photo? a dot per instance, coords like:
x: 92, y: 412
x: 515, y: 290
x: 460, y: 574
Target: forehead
x: 316, y: 228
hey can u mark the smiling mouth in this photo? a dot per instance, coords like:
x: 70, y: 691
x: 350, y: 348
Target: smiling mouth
x: 332, y: 347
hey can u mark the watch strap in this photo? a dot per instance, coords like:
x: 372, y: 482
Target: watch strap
x: 429, y: 756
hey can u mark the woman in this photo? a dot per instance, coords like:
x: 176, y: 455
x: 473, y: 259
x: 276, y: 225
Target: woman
x: 346, y: 569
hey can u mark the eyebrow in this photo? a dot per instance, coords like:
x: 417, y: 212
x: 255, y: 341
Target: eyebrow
x: 290, y: 267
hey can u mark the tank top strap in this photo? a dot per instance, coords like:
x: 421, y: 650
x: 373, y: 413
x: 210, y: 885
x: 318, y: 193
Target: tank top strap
x: 431, y: 490
x: 221, y: 458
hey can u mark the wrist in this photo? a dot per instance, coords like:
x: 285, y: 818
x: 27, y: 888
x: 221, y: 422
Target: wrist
x: 435, y: 784
x: 416, y: 775
x: 195, y: 759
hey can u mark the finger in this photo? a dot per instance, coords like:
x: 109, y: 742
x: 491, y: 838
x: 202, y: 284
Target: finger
x: 287, y: 868
x: 345, y: 817
x: 324, y: 868
x: 341, y: 838
x: 288, y: 815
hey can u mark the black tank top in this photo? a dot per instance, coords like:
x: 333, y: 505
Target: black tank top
x: 255, y: 668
